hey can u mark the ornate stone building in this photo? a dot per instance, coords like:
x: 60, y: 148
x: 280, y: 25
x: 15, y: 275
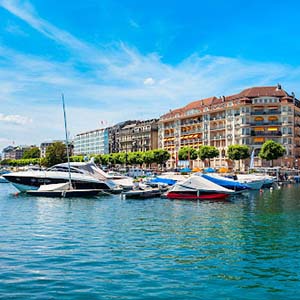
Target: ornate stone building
x: 250, y: 117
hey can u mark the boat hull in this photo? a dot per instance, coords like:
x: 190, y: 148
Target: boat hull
x: 64, y: 194
x: 143, y: 194
x: 192, y: 196
x: 25, y: 183
x: 3, y: 180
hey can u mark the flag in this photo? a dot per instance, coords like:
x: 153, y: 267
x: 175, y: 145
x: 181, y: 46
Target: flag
x: 252, y: 160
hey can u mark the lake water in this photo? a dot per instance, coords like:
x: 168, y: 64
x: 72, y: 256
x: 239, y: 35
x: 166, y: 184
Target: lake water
x: 108, y: 248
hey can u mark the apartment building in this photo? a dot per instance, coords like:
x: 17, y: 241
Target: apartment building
x: 139, y: 136
x: 91, y: 142
x: 114, y: 133
x: 250, y: 117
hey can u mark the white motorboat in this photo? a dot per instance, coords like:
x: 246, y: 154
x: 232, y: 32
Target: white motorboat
x: 251, y: 180
x: 84, y: 175
x: 123, y: 181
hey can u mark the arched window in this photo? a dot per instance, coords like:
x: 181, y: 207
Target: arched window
x: 259, y: 119
x: 273, y: 119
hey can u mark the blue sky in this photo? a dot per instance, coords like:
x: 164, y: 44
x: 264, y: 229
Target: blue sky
x: 119, y: 60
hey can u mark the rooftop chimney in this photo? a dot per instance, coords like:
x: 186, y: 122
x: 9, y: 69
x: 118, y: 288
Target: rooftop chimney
x: 278, y: 87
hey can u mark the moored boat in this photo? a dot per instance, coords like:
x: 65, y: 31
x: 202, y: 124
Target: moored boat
x: 253, y: 181
x: 145, y: 193
x: 83, y: 176
x: 198, y: 188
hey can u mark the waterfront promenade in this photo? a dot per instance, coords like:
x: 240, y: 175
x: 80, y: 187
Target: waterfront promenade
x: 109, y: 248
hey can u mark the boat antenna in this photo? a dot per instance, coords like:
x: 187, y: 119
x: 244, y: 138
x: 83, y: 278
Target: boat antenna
x: 67, y: 142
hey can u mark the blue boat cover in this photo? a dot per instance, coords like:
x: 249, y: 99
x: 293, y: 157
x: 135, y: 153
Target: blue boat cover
x: 185, y: 170
x: 163, y: 180
x: 229, y: 184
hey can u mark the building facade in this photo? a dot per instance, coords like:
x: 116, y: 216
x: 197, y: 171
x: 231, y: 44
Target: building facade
x: 139, y: 136
x: 17, y: 152
x: 91, y: 142
x: 251, y: 117
x: 114, y: 132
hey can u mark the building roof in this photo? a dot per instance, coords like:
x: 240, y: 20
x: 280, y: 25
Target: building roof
x: 247, y: 94
x: 262, y: 91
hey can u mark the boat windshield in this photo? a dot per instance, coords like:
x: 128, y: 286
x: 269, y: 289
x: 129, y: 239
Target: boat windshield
x: 64, y: 169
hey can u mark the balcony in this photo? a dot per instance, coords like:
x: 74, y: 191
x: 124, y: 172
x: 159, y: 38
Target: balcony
x: 191, y: 131
x: 245, y: 124
x: 265, y: 123
x: 218, y: 137
x: 245, y: 134
x: 218, y: 128
x: 169, y: 135
x: 262, y: 112
x: 266, y: 133
x: 243, y: 113
x: 287, y: 133
x: 287, y: 123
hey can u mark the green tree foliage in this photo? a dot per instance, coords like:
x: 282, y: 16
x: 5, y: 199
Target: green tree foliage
x: 55, y: 154
x: 161, y: 156
x: 119, y: 158
x: 271, y: 150
x: 102, y: 159
x: 237, y: 152
x: 187, y: 153
x: 158, y: 156
x: 33, y: 152
x: 77, y: 158
x: 20, y: 162
x: 148, y: 157
x: 136, y: 158
x: 208, y: 152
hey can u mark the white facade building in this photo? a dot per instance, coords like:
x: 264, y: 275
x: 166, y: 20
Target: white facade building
x: 91, y: 142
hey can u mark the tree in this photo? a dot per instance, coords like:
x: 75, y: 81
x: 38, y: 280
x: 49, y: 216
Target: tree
x: 238, y: 152
x: 77, y: 158
x: 33, y: 152
x: 148, y: 157
x: 161, y: 156
x: 55, y: 154
x: 187, y: 153
x: 271, y: 150
x: 136, y: 158
x: 208, y: 152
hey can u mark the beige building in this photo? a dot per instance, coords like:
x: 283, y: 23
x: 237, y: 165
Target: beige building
x: 139, y: 136
x: 251, y: 117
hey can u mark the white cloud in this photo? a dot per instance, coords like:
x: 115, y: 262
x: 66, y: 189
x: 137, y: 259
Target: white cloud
x: 133, y: 23
x: 149, y: 81
x: 15, y: 119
